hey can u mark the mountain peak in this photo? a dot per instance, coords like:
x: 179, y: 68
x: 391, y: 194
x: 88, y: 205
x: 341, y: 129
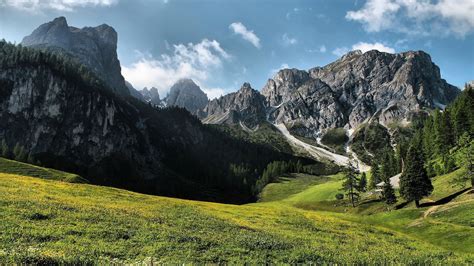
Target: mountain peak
x: 94, y: 47
x: 187, y: 94
x: 59, y: 21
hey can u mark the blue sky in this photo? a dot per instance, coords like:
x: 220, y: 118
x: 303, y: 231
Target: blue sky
x: 221, y: 44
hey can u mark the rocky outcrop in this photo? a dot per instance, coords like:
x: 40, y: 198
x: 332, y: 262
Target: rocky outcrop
x: 186, y: 94
x: 356, y: 88
x: 94, y: 47
x: 246, y: 106
x: 134, y: 92
x: 151, y: 96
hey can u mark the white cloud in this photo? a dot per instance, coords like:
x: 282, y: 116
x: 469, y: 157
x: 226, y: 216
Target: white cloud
x: 61, y: 5
x: 213, y: 93
x: 420, y: 17
x: 195, y: 61
x: 248, y: 35
x: 364, y: 47
x: 288, y: 41
x: 376, y: 14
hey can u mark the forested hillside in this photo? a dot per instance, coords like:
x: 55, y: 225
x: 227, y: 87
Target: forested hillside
x: 60, y: 115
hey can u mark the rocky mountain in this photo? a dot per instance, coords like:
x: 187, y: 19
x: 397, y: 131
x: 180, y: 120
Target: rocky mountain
x: 134, y: 92
x: 185, y: 93
x: 357, y: 87
x: 246, y: 106
x: 346, y: 93
x: 151, y: 96
x: 94, y: 47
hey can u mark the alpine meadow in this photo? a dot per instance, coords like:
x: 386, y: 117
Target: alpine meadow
x: 236, y: 132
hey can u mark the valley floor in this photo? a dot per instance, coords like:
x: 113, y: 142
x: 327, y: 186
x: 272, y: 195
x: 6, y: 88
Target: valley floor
x: 296, y: 220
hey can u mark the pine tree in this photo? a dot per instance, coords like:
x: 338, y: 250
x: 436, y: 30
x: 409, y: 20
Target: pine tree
x: 351, y: 183
x: 363, y: 182
x: 466, y: 158
x: 375, y: 179
x: 4, y: 149
x: 414, y: 181
x: 388, y: 193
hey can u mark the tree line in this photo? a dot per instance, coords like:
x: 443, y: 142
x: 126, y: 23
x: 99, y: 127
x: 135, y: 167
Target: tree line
x: 438, y: 144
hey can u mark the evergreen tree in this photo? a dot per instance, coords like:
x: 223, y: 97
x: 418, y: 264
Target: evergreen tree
x: 351, y: 183
x: 363, y: 182
x: 466, y: 158
x: 414, y: 181
x: 5, y: 150
x: 388, y: 193
x: 375, y: 179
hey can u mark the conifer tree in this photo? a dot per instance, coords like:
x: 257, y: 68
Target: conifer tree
x: 414, y: 181
x: 375, y: 179
x: 363, y: 182
x: 351, y: 183
x: 388, y: 192
x: 4, y: 149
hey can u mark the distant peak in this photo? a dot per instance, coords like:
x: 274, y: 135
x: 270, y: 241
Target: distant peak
x: 60, y: 21
x: 185, y: 81
x: 351, y: 54
x: 246, y: 85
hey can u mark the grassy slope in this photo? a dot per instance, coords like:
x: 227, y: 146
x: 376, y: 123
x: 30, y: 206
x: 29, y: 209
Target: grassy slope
x: 449, y: 226
x: 50, y: 221
x: 14, y: 167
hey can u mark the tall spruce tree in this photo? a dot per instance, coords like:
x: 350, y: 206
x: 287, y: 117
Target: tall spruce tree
x: 5, y: 150
x: 363, y: 182
x: 414, y: 181
x: 388, y: 193
x: 375, y: 176
x: 351, y: 183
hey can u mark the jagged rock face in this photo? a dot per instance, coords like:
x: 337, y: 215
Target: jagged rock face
x: 185, y: 93
x: 245, y: 106
x: 95, y: 47
x: 285, y: 83
x: 134, y: 92
x: 151, y: 96
x: 356, y: 87
x: 64, y: 123
x: 311, y: 107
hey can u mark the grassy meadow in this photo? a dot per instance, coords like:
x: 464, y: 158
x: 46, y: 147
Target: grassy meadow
x: 52, y: 221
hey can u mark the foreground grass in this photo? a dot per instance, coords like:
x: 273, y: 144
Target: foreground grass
x: 45, y: 221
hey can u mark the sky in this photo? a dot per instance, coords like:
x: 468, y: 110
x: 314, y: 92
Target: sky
x: 223, y: 43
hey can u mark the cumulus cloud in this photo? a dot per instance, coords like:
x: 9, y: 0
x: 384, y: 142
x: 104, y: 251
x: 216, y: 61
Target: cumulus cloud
x: 213, y: 93
x: 61, y: 5
x: 364, y: 47
x: 421, y: 17
x: 288, y: 40
x: 248, y: 35
x: 195, y: 61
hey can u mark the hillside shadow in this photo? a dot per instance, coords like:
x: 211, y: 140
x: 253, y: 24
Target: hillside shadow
x: 445, y: 199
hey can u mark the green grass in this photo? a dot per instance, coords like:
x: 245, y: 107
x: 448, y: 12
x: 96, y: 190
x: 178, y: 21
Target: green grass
x: 15, y: 167
x: 46, y: 221
x: 315, y: 194
x: 291, y: 184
